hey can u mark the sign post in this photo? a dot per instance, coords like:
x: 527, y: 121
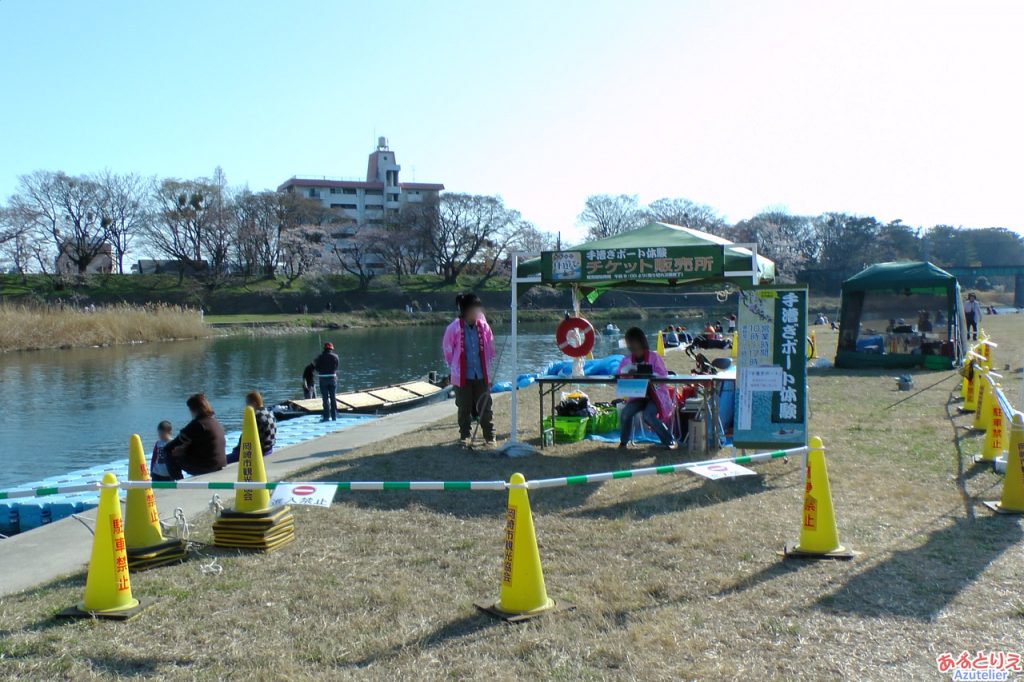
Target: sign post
x: 772, y: 368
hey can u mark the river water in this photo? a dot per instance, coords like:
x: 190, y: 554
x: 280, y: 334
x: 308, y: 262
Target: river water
x: 70, y: 409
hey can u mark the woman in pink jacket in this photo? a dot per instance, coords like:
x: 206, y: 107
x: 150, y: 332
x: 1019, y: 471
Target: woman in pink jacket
x: 469, y: 351
x: 656, y: 406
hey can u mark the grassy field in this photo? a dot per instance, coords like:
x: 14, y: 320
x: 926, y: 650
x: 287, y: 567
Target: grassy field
x: 673, y: 577
x: 30, y: 328
x: 121, y: 286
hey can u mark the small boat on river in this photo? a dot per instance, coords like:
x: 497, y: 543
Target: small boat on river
x: 381, y: 400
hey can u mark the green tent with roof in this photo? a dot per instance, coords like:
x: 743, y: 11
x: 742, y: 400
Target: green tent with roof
x: 657, y: 254
x: 901, y: 315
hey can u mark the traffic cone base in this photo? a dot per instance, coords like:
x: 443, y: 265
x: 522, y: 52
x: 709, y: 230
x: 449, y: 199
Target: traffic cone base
x: 168, y: 552
x: 124, y: 613
x: 552, y: 607
x: 998, y: 508
x: 523, y: 595
x: 841, y: 553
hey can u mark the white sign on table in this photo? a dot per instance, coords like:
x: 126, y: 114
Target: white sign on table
x: 631, y: 388
x: 722, y: 470
x: 310, y: 494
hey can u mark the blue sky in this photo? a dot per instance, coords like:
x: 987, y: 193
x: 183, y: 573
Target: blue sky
x: 908, y: 109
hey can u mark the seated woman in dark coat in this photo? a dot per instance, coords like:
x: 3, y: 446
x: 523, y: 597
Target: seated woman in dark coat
x: 199, y: 447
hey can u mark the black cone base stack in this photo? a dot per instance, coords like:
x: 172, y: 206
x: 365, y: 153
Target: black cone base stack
x: 265, y: 530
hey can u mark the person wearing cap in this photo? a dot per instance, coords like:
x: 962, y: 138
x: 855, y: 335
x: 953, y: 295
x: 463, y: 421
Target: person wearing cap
x: 327, y: 372
x: 468, y: 346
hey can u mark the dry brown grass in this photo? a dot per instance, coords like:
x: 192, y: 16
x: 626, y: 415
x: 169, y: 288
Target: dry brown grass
x: 673, y: 577
x: 25, y: 328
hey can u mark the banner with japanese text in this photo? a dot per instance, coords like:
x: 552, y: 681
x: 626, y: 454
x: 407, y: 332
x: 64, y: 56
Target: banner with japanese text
x: 634, y: 263
x: 771, y: 391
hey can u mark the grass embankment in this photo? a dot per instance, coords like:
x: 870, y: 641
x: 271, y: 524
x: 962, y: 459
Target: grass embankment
x: 674, y: 577
x: 388, y: 318
x: 29, y: 328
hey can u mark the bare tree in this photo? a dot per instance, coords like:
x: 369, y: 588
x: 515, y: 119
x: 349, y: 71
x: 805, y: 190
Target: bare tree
x: 606, y: 215
x: 786, y: 239
x: 127, y: 209
x: 66, y: 210
x: 15, y: 241
x: 687, y: 213
x: 532, y: 240
x: 183, y: 209
x: 257, y: 244
x: 356, y: 252
x: 302, y: 249
x: 221, y: 232
x: 462, y: 227
x: 404, y: 244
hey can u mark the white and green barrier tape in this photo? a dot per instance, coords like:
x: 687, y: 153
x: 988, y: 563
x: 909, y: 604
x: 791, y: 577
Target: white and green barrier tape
x: 356, y: 486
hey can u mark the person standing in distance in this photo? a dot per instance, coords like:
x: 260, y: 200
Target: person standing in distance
x: 327, y: 372
x: 468, y: 347
x: 972, y: 314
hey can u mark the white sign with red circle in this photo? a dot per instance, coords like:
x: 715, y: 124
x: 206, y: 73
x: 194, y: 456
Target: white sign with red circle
x: 310, y: 494
x: 722, y: 470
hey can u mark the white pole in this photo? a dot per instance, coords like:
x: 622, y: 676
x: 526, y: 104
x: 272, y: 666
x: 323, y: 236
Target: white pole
x: 513, y: 434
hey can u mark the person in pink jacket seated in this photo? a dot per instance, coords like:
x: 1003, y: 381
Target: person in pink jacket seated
x: 656, y: 406
x: 469, y: 351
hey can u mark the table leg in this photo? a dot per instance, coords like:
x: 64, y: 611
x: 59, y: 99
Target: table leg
x: 540, y: 414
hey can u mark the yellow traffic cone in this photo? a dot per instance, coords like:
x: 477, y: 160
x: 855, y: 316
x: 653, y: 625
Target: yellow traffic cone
x: 986, y: 347
x: 819, y: 538
x: 1012, y: 499
x: 147, y: 546
x: 812, y: 347
x: 978, y: 424
x: 523, y: 594
x: 735, y: 350
x: 253, y: 524
x: 660, y: 348
x: 970, y: 389
x: 250, y: 467
x: 108, y: 588
x: 993, y: 444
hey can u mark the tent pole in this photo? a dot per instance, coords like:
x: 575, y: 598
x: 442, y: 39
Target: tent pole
x: 512, y: 447
x: 513, y: 433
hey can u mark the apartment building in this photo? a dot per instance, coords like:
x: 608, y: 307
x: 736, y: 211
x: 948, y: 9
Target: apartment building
x: 365, y: 202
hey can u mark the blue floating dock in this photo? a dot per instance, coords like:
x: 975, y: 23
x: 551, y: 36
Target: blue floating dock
x: 25, y: 513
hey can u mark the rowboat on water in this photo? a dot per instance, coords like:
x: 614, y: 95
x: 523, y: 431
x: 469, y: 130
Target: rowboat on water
x: 381, y: 400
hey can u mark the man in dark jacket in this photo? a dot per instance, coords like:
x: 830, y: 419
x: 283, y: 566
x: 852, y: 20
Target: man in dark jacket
x: 309, y: 381
x: 327, y: 370
x: 199, y: 447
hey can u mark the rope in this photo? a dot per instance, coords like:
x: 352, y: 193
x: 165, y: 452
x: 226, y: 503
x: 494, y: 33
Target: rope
x: 82, y: 521
x: 363, y: 486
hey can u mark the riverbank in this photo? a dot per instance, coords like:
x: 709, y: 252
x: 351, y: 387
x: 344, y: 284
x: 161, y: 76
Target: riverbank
x: 34, y: 328
x: 400, y: 318
x: 673, y: 577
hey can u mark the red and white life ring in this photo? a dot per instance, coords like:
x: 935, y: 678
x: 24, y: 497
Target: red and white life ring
x: 575, y: 337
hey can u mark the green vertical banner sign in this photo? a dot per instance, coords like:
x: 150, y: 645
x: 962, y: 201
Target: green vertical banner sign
x: 771, y: 392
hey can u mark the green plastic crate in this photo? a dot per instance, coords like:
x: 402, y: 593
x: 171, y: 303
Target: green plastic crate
x: 568, y: 429
x: 606, y: 421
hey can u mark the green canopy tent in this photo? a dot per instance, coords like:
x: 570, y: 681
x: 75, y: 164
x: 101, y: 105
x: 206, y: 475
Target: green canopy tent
x: 656, y: 255
x: 901, y: 314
